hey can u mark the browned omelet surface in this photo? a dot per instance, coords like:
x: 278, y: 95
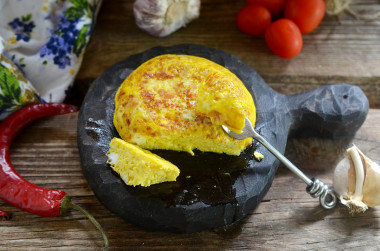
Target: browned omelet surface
x: 179, y: 102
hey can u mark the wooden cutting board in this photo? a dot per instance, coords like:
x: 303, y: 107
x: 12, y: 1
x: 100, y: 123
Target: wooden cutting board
x: 222, y: 189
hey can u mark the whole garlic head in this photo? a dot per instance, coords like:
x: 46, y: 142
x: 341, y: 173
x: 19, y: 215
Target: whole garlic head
x: 357, y: 181
x: 334, y: 7
x: 160, y: 18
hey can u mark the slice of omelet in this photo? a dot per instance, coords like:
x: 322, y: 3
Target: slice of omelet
x: 179, y: 102
x: 137, y: 166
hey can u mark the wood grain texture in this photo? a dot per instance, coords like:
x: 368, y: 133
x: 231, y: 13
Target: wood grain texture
x: 287, y: 219
x: 341, y: 49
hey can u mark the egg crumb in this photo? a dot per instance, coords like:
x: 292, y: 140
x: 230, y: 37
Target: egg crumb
x: 258, y: 156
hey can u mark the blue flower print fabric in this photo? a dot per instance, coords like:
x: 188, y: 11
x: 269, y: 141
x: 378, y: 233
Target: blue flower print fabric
x: 42, y: 45
x: 22, y: 27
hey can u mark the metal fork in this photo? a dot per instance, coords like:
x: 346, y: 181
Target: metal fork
x: 315, y: 187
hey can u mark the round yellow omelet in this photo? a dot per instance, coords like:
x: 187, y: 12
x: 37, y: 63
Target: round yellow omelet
x: 179, y: 102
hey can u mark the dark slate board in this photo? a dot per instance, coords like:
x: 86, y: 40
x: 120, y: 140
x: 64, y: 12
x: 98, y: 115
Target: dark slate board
x: 213, y: 190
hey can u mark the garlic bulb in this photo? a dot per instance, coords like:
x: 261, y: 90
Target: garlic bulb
x: 357, y: 181
x: 334, y: 7
x: 160, y: 18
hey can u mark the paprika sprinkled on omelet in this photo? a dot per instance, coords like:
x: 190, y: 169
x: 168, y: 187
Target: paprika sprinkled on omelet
x: 179, y: 102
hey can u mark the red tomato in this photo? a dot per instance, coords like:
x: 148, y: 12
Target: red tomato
x: 253, y: 20
x: 284, y: 38
x: 275, y: 7
x: 307, y: 14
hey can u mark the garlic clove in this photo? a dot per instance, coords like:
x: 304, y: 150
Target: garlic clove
x: 371, y: 186
x: 160, y: 18
x: 341, y: 178
x: 357, y: 181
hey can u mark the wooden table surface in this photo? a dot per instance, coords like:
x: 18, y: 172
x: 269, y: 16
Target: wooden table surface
x: 342, y: 49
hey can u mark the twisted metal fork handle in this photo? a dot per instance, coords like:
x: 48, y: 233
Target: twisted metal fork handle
x: 326, y: 195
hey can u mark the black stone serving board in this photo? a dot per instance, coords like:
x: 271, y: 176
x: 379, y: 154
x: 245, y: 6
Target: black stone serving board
x: 213, y: 190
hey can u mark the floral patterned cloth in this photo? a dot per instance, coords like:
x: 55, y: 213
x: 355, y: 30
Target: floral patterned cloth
x: 42, y: 43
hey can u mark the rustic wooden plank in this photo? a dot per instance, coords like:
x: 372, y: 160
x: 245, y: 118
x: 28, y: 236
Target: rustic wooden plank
x: 341, y: 49
x: 287, y: 219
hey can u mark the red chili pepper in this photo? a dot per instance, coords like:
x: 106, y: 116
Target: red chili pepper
x: 5, y: 215
x: 19, y: 192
